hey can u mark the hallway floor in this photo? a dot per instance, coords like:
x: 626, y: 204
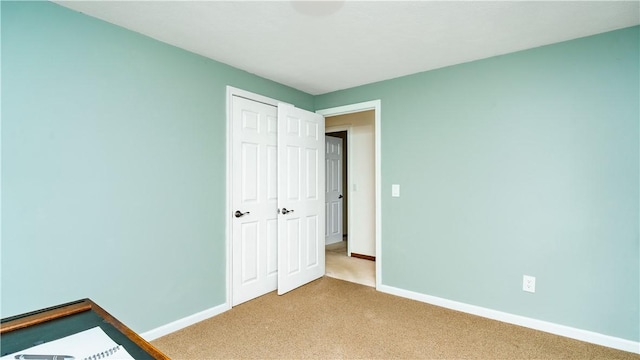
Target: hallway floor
x: 340, y: 266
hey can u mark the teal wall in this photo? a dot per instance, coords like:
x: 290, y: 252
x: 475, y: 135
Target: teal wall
x: 113, y: 167
x: 113, y: 174
x: 519, y: 164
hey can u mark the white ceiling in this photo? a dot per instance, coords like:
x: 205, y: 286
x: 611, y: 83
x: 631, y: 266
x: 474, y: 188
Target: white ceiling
x: 323, y: 46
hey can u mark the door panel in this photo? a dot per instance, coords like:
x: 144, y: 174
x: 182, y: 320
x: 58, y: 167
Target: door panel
x: 292, y: 246
x: 301, y: 220
x: 272, y: 249
x: 314, y: 242
x: 333, y: 196
x: 254, y: 192
x: 249, y: 251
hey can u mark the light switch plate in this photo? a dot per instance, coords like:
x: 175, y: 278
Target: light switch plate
x: 395, y: 190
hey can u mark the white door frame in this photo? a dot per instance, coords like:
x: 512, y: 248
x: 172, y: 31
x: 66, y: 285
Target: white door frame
x: 231, y: 92
x: 347, y: 129
x: 364, y: 106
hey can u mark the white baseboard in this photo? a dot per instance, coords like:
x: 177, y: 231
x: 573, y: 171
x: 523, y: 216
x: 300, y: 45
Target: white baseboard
x: 184, y: 322
x: 566, y: 331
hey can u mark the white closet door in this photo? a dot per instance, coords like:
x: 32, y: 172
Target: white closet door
x: 301, y: 222
x: 254, y: 200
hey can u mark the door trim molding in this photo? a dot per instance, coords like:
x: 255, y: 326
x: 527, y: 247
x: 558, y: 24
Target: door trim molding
x: 375, y: 105
x: 231, y: 92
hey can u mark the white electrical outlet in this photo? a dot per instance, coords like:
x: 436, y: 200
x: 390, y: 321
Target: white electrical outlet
x: 529, y: 283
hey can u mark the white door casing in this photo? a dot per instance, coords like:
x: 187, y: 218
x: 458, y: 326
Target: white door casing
x: 301, y: 222
x: 254, y: 194
x: 334, y: 193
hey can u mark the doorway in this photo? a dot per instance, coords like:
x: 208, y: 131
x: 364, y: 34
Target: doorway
x: 361, y: 124
x: 360, y: 190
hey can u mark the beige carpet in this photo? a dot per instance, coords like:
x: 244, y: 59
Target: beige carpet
x: 340, y: 266
x: 334, y: 319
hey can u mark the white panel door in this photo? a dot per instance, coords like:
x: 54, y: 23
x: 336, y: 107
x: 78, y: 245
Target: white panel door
x: 333, y: 195
x: 301, y: 222
x: 254, y: 200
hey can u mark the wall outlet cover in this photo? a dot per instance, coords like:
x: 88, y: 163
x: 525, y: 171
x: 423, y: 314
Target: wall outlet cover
x: 529, y: 283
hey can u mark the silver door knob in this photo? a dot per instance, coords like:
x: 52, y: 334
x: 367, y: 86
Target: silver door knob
x: 239, y: 214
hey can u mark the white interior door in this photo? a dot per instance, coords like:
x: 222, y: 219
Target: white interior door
x: 254, y: 199
x: 301, y: 222
x: 333, y: 196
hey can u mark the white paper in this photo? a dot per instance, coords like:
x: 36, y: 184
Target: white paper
x: 90, y: 344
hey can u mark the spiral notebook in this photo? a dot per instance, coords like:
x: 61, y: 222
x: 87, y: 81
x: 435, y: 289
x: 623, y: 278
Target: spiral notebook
x: 92, y: 344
